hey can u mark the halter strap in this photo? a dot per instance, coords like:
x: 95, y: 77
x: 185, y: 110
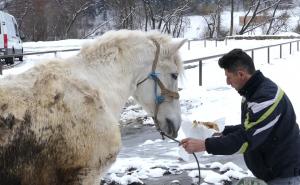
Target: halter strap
x: 155, y: 61
x: 164, y: 91
x: 167, y: 92
x: 156, y: 55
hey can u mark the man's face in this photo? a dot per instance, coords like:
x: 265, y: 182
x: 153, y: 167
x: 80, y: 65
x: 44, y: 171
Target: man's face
x: 236, y: 79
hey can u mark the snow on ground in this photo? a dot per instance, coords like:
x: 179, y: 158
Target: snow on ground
x: 215, y: 99
x: 212, y: 101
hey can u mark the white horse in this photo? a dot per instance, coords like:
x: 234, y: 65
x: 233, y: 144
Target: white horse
x: 59, y: 120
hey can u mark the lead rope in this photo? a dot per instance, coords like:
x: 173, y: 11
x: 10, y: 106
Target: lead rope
x: 160, y: 99
x: 163, y: 135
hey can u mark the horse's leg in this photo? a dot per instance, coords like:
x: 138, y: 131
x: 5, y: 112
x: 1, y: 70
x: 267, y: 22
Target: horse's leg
x: 70, y: 176
x: 92, y: 175
x: 78, y: 176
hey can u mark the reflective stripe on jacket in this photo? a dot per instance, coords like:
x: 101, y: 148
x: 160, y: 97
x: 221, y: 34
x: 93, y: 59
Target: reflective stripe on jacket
x: 268, y: 136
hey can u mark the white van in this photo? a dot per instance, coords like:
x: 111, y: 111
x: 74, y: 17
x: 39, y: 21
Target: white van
x: 10, y: 41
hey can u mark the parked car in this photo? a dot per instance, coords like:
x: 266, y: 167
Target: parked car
x: 10, y: 39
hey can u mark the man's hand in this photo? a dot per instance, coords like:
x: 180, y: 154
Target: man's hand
x: 193, y: 145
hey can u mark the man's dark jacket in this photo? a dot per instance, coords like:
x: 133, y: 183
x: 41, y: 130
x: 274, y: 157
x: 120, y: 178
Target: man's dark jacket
x: 268, y: 136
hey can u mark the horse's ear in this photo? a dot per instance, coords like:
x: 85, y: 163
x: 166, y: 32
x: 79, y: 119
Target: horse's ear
x: 176, y: 44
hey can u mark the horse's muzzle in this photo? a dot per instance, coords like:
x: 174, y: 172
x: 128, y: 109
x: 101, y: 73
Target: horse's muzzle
x: 171, y: 130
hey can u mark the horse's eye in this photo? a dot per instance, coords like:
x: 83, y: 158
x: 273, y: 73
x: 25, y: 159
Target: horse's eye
x: 174, y: 76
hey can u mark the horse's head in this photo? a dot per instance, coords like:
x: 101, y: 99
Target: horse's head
x: 157, y: 90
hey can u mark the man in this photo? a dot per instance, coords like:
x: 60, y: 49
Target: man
x: 268, y: 135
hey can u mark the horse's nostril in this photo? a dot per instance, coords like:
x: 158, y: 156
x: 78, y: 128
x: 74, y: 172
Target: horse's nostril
x: 170, y: 124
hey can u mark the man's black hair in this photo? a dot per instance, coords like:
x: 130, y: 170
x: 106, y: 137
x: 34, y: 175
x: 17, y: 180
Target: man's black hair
x: 235, y: 60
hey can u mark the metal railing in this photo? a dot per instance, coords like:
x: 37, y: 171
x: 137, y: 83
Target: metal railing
x: 34, y: 53
x: 204, y: 42
x: 200, y: 60
x: 239, y: 37
x: 39, y: 52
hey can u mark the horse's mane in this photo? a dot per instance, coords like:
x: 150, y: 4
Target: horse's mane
x: 128, y: 45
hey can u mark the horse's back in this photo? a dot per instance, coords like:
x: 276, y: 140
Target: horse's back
x: 52, y: 132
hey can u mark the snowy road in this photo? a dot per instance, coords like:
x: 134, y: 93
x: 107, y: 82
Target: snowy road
x: 156, y: 162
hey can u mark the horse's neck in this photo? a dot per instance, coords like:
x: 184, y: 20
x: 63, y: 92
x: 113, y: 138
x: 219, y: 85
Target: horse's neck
x: 114, y: 86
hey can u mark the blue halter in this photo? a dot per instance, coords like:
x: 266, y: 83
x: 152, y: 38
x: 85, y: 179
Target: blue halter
x: 158, y: 98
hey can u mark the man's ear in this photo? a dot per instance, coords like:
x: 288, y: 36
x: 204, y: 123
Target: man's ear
x: 240, y: 73
x: 243, y: 74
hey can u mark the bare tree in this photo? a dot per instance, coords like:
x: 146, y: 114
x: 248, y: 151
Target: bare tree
x: 273, y: 17
x: 124, y: 12
x: 18, y: 8
x: 297, y: 29
x: 280, y: 23
x: 254, y: 5
x: 71, y: 10
x: 29, y: 15
x: 62, y: 19
x: 259, y: 8
x: 218, y: 20
x: 231, y: 17
x: 52, y: 19
x: 101, y: 25
x: 213, y: 19
x: 166, y: 16
x: 211, y: 22
x: 149, y: 7
x: 173, y: 20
